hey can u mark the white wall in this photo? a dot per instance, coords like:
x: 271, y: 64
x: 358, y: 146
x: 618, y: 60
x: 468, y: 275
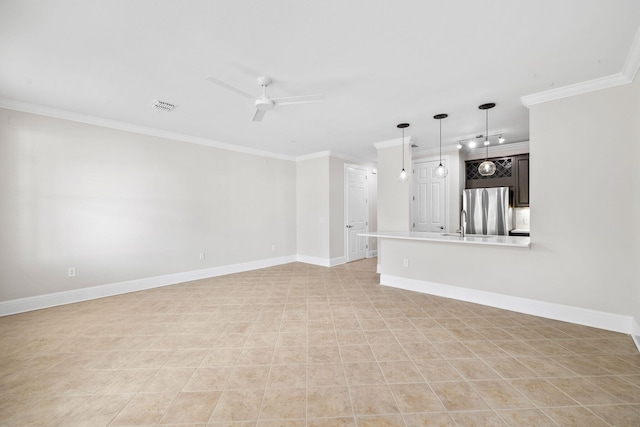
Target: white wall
x: 581, y: 253
x: 121, y: 206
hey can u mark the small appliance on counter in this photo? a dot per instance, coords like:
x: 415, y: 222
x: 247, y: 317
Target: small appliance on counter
x: 488, y: 210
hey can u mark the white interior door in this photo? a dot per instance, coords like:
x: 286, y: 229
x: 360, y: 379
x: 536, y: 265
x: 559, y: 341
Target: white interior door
x: 429, y: 198
x: 356, y: 212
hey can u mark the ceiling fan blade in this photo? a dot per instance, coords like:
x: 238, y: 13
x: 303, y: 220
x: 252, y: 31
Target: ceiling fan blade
x: 304, y: 99
x: 228, y: 87
x: 259, y: 115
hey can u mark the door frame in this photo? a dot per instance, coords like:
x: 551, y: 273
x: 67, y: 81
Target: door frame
x: 346, y: 207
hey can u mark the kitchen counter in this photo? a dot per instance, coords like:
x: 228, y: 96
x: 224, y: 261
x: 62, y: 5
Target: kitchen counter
x: 471, y: 239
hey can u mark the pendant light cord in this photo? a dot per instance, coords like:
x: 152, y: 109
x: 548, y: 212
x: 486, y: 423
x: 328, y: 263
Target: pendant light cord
x: 440, y: 141
x: 402, y: 148
x: 486, y: 137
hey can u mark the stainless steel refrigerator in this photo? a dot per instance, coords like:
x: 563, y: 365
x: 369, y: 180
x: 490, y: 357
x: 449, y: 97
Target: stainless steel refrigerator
x: 487, y: 210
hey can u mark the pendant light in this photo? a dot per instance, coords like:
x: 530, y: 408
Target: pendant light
x: 404, y: 175
x: 487, y: 168
x: 440, y: 171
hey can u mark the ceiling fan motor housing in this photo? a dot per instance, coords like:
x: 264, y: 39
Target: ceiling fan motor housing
x: 265, y: 104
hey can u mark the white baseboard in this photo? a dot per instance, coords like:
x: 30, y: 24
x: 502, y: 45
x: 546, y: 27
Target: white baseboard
x: 77, y: 295
x: 337, y: 261
x: 314, y: 260
x: 635, y: 332
x: 322, y: 262
x: 566, y: 313
x: 372, y: 254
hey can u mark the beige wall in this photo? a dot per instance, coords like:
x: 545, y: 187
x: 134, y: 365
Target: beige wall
x: 121, y: 206
x: 581, y: 253
x: 337, y: 226
x: 321, y: 198
x: 394, y: 197
x: 373, y: 209
x: 635, y: 194
x: 313, y: 207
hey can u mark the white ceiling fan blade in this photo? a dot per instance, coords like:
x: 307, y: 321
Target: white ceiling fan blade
x: 304, y: 99
x: 259, y: 115
x: 228, y: 87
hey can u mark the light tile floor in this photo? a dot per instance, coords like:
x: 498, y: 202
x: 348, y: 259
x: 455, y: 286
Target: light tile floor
x: 301, y: 345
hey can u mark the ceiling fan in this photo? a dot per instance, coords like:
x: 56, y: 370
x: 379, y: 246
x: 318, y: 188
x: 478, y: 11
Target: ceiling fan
x: 264, y: 103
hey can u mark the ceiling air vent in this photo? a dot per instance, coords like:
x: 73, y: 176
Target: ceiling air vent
x: 162, y: 106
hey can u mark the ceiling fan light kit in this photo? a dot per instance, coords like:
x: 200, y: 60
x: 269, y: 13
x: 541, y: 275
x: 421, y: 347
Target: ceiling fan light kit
x: 265, y: 103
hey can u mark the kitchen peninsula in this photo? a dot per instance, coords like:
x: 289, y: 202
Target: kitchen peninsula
x: 476, y: 268
x: 472, y: 239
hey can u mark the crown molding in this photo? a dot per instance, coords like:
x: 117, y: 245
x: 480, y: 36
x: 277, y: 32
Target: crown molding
x: 318, y: 155
x: 632, y: 62
x: 335, y: 155
x: 507, y: 146
x: 522, y: 146
x: 507, y: 149
x: 348, y: 158
x: 393, y: 142
x: 626, y: 76
x: 128, y: 127
x: 575, y: 89
x: 446, y: 149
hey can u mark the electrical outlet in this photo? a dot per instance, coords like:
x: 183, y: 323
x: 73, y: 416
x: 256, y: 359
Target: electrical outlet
x: 71, y: 272
x: 273, y: 247
x: 405, y: 263
x: 202, y: 255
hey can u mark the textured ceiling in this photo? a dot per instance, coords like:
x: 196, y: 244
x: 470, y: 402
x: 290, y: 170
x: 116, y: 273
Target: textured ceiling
x: 377, y: 63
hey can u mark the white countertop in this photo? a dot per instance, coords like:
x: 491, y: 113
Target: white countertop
x: 473, y: 239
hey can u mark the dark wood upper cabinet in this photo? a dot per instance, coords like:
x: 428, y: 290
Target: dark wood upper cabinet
x: 505, y: 175
x: 521, y: 196
x: 511, y: 171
